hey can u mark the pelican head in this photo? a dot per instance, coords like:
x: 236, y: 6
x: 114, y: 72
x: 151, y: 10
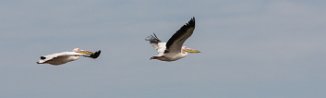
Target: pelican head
x: 76, y: 50
x: 93, y: 55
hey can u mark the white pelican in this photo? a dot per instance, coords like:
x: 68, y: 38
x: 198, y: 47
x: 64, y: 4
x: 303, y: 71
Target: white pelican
x: 65, y: 57
x: 173, y: 49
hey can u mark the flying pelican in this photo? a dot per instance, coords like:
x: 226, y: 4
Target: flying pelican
x: 65, y: 57
x: 173, y: 49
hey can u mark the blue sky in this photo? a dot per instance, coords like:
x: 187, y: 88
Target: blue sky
x: 250, y: 49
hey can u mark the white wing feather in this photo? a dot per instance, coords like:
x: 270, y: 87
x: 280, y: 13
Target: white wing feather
x: 161, y: 48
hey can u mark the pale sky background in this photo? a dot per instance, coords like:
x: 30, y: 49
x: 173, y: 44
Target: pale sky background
x: 250, y: 49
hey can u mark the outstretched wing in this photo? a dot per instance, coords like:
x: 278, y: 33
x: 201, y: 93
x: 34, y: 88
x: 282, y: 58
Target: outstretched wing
x: 175, y: 43
x: 58, y: 58
x: 154, y: 41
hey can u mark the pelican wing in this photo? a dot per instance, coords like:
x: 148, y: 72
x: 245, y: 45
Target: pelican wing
x: 58, y: 58
x: 154, y: 41
x: 59, y: 55
x: 175, y: 43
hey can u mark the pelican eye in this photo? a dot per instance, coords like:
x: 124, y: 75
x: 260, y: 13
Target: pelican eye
x: 42, y: 57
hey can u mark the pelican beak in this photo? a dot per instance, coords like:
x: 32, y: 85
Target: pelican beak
x: 191, y: 50
x: 85, y: 52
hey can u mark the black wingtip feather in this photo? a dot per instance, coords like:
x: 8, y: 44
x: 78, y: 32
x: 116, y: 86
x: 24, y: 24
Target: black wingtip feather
x: 191, y: 22
x: 96, y: 54
x: 42, y: 57
x: 153, y: 39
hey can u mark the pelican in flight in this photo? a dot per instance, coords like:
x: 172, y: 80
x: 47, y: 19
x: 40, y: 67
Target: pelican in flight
x: 65, y: 57
x: 173, y: 49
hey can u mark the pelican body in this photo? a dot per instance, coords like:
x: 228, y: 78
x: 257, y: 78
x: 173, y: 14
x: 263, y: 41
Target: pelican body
x: 65, y: 57
x: 173, y: 49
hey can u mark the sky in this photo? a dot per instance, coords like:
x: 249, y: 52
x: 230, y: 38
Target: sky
x: 250, y: 49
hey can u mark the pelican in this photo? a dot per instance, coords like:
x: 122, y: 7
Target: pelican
x: 173, y: 49
x: 65, y: 57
